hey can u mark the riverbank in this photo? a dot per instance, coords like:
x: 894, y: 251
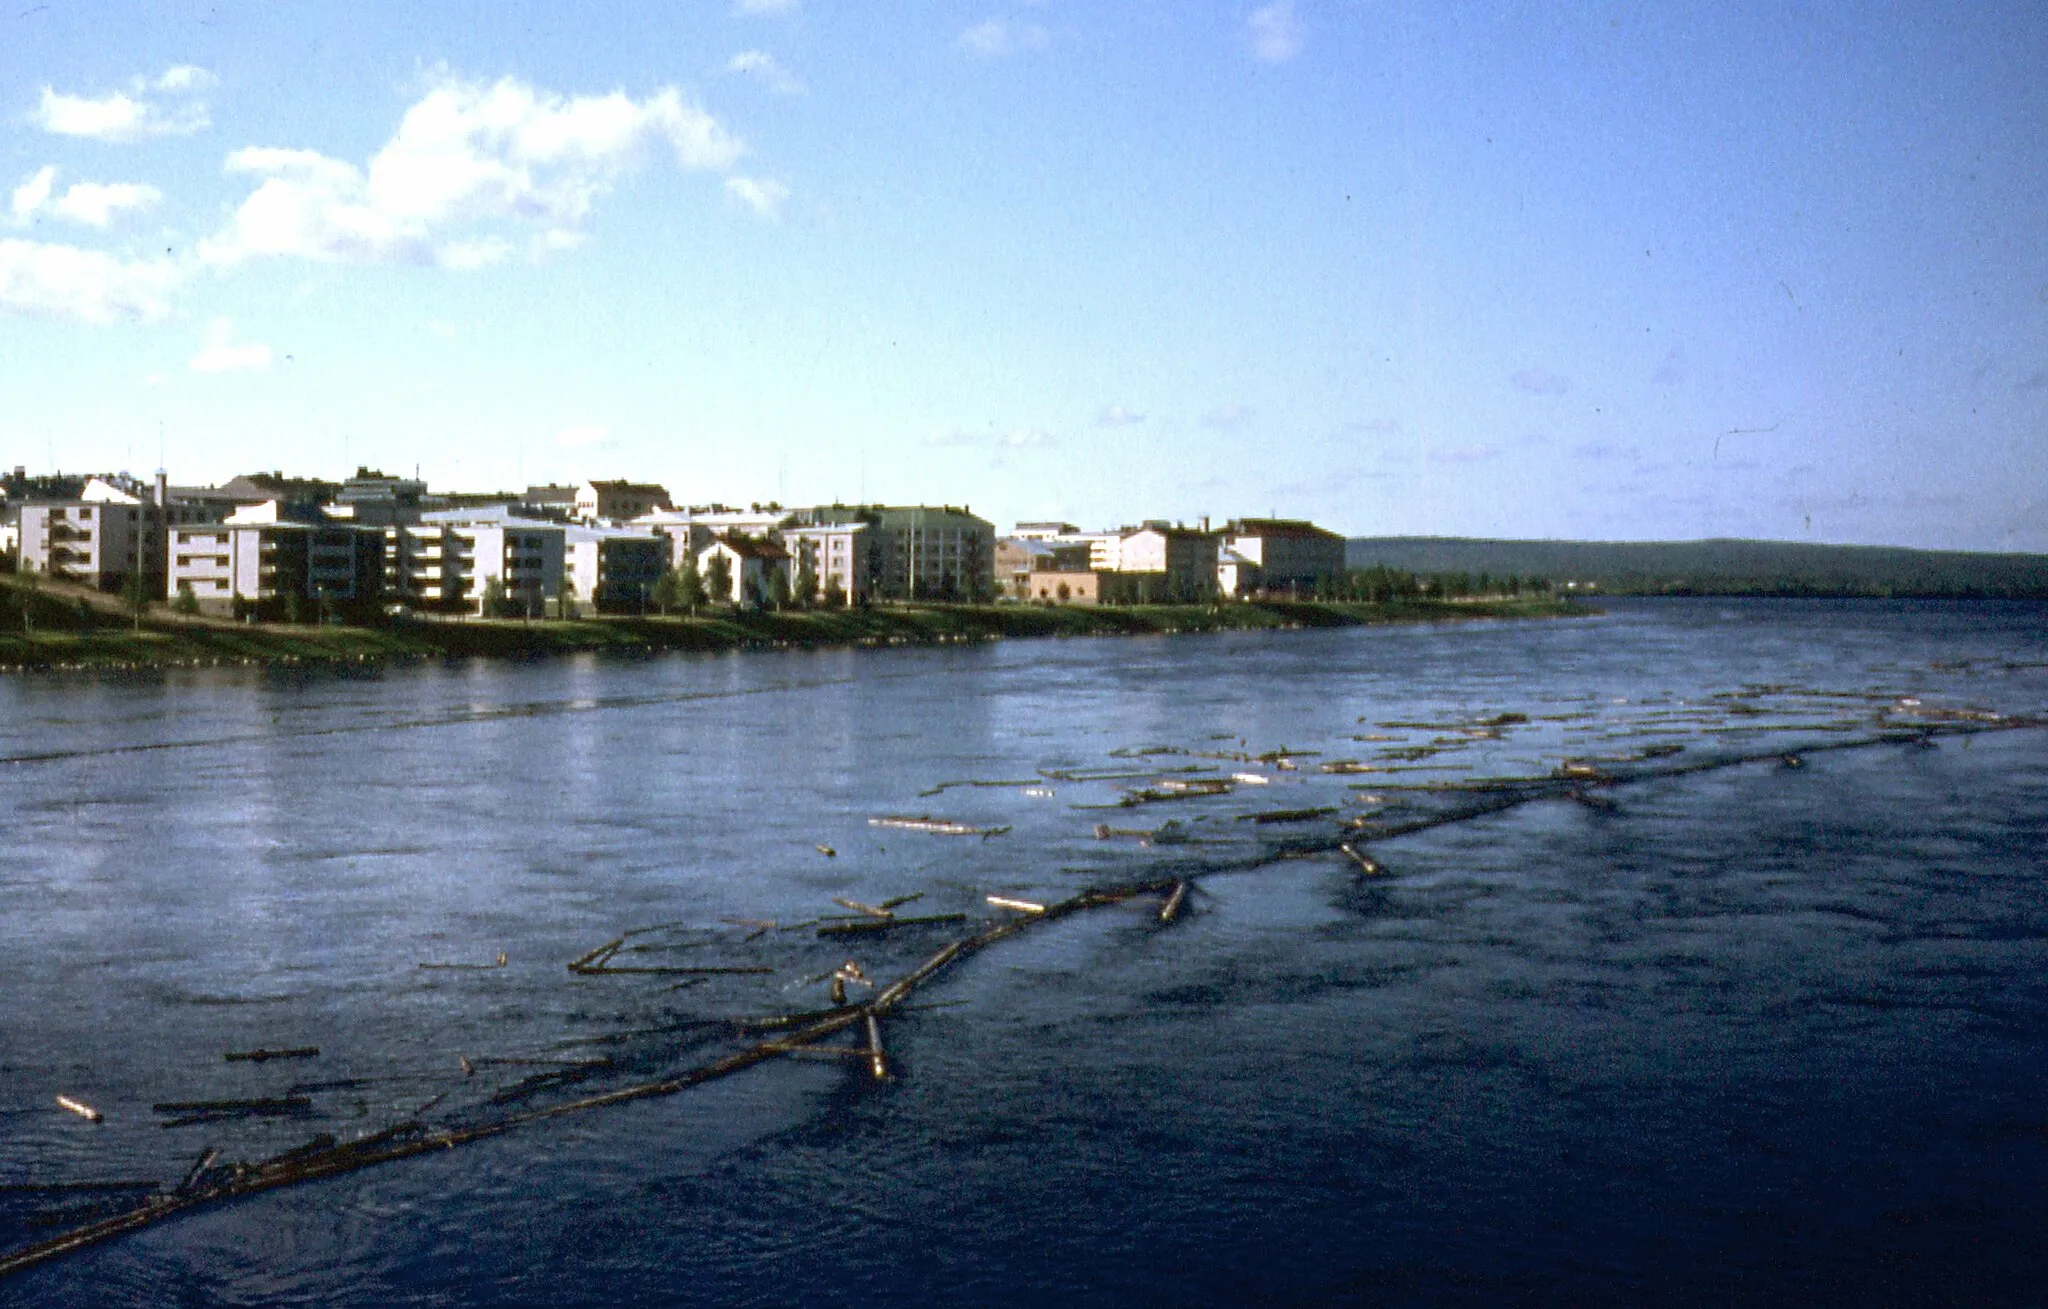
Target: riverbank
x: 68, y: 636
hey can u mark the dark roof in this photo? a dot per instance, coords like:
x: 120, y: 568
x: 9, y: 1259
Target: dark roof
x: 644, y: 488
x: 1295, y: 527
x: 749, y: 547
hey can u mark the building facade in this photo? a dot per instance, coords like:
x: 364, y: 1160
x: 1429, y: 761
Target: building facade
x: 751, y: 566
x: 1180, y: 560
x: 1286, y: 554
x: 611, y: 570
x: 617, y: 502
x: 837, y: 555
x: 259, y: 563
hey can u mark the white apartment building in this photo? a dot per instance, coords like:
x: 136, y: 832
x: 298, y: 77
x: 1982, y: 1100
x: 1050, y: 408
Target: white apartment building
x: 449, y: 560
x: 261, y: 560
x: 612, y: 570
x: 104, y: 537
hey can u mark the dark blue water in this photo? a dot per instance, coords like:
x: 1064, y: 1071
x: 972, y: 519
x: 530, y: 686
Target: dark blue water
x: 1762, y: 1034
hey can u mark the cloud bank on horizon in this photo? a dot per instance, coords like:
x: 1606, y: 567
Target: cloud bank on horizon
x: 1667, y: 274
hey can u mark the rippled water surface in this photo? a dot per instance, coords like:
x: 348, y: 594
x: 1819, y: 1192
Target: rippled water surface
x: 1772, y: 1032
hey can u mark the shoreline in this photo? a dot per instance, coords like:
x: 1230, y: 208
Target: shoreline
x: 198, y: 643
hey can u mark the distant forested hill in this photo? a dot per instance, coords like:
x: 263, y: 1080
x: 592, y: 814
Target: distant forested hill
x: 1718, y: 567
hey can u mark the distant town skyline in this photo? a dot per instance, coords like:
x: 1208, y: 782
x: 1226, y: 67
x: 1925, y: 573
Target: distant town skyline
x: 1618, y: 272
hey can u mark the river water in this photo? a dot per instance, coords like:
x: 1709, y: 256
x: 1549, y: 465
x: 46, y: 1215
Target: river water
x: 1759, y: 1034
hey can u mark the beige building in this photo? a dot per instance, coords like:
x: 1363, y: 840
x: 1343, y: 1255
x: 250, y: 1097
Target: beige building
x: 1181, y: 561
x: 618, y: 502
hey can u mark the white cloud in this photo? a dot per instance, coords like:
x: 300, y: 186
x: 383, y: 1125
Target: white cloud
x: 1228, y: 418
x: 171, y: 105
x: 995, y: 37
x: 766, y: 69
x: 763, y: 195
x: 222, y: 354
x: 1276, y: 32
x: 1119, y: 416
x: 1027, y: 438
x: 583, y: 436
x: 95, y: 204
x: 63, y: 281
x: 33, y: 194
x: 757, y: 8
x: 466, y: 156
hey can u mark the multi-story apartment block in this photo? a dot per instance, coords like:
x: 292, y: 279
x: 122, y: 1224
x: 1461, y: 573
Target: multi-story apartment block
x: 263, y: 562
x: 920, y: 552
x: 1180, y: 560
x: 106, y: 536
x: 451, y: 559
x: 1283, y: 554
x: 838, y: 558
x: 612, y: 570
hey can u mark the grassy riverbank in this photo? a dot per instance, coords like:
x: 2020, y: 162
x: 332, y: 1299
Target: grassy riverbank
x: 79, y: 630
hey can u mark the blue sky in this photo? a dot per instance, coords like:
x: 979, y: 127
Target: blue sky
x: 1615, y: 271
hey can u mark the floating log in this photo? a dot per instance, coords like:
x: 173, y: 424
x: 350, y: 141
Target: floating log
x: 1022, y: 906
x: 81, y: 1108
x: 598, y: 956
x: 1251, y: 779
x: 198, y: 1169
x: 936, y: 826
x: 1289, y: 815
x: 264, y: 1056
x: 871, y: 911
x: 1173, y: 903
x: 1367, y: 865
x: 877, y: 1064
x: 1792, y: 761
x: 894, y: 901
x: 1198, y: 785
x: 869, y: 926
x: 1600, y: 803
x: 828, y: 851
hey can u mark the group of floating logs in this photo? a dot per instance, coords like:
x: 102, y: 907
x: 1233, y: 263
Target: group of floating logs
x: 209, y: 1181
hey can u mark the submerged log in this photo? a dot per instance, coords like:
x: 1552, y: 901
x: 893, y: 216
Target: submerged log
x: 264, y: 1056
x: 870, y: 926
x: 206, y: 1111
x: 1599, y: 803
x: 1290, y: 815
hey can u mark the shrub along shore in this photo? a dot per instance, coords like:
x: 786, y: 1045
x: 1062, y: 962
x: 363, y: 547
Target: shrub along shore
x: 49, y: 628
